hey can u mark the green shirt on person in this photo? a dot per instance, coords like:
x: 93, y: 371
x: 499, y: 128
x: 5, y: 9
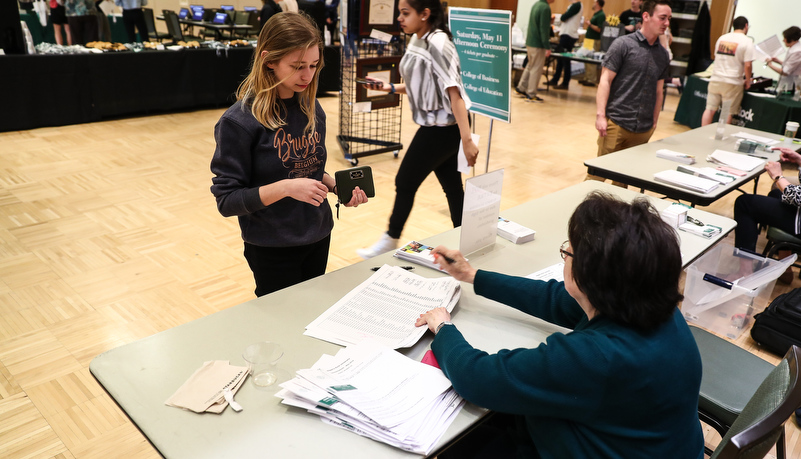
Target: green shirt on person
x: 539, y: 26
x: 597, y: 20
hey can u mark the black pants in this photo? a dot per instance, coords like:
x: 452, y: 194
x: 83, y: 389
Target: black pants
x: 433, y: 149
x: 83, y: 29
x: 750, y: 210
x: 275, y: 268
x: 134, y: 18
x: 503, y: 436
x: 566, y: 43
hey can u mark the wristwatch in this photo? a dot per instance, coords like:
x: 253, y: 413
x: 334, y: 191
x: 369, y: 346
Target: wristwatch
x: 777, y: 178
x: 441, y: 325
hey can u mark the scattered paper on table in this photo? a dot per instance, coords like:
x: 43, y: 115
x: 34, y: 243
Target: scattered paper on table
x: 378, y: 393
x: 556, y: 272
x: 384, y: 308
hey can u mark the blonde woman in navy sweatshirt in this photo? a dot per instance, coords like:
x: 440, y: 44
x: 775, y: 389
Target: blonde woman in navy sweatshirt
x: 624, y: 383
x: 269, y: 164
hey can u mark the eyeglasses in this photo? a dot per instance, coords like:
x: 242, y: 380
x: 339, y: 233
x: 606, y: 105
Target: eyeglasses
x: 563, y: 250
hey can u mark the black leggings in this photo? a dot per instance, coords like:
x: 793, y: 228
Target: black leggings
x: 433, y: 149
x: 566, y: 43
x: 135, y: 18
x: 750, y: 210
x: 275, y: 268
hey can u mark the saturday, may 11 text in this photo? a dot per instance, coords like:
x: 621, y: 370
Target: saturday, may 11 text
x: 480, y: 47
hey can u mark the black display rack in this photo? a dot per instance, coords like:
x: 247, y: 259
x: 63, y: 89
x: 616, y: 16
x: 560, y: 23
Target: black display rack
x: 377, y: 131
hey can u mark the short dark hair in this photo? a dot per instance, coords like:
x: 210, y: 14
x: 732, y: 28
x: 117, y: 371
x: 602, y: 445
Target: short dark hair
x: 792, y: 34
x: 739, y: 23
x: 601, y: 3
x: 648, y: 6
x: 626, y: 260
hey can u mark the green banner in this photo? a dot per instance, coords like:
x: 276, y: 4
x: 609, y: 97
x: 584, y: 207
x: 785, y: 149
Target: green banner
x: 483, y: 41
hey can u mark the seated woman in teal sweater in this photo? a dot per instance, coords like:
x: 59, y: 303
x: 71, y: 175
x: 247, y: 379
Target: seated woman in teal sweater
x: 623, y: 383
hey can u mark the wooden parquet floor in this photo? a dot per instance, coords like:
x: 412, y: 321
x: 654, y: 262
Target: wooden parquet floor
x: 108, y: 234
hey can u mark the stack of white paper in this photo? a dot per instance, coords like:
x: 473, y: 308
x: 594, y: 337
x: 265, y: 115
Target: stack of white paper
x: 377, y: 393
x: 514, y: 232
x: 675, y: 156
x: 735, y: 160
x: 384, y: 308
x: 708, y: 173
x: 756, y: 138
x: 687, y: 181
x: 419, y: 253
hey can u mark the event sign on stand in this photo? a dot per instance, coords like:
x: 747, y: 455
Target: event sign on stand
x: 482, y: 39
x: 483, y: 42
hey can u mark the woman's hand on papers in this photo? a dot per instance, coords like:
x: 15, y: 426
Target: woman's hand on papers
x: 359, y: 197
x: 433, y: 318
x: 453, y: 263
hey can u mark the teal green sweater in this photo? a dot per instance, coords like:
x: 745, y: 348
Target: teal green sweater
x: 602, y: 390
x: 539, y: 25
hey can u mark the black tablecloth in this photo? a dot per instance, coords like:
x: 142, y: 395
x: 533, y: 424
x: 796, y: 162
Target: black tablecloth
x: 57, y: 90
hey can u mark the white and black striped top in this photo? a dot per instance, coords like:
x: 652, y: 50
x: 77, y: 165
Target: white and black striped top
x: 792, y: 196
x: 429, y: 67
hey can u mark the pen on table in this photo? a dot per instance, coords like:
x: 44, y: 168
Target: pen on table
x: 446, y: 258
x: 757, y: 156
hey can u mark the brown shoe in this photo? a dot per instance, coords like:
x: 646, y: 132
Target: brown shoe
x: 787, y: 277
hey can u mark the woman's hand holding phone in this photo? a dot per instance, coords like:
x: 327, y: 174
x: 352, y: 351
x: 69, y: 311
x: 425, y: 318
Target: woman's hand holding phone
x: 374, y: 84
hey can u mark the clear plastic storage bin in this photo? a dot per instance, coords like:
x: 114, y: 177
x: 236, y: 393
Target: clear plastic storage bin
x: 726, y: 287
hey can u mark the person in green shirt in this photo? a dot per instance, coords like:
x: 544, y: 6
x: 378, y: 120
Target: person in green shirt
x: 622, y: 383
x: 538, y: 48
x: 594, y: 26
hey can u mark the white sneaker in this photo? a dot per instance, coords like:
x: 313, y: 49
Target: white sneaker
x: 385, y: 244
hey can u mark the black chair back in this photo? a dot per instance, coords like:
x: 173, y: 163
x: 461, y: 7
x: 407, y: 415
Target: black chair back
x: 246, y: 18
x: 150, y: 23
x: 241, y: 17
x: 173, y: 25
x: 761, y: 424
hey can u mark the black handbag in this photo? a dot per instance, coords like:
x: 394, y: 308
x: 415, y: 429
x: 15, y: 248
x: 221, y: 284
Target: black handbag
x: 779, y: 325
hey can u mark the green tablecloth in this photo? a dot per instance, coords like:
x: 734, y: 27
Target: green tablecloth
x: 763, y: 113
x: 45, y: 34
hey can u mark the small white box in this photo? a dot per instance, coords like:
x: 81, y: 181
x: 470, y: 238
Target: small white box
x: 674, y: 215
x: 514, y: 232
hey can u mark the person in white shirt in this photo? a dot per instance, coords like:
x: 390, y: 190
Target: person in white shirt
x: 568, y: 34
x: 435, y: 93
x: 791, y: 66
x: 734, y: 53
